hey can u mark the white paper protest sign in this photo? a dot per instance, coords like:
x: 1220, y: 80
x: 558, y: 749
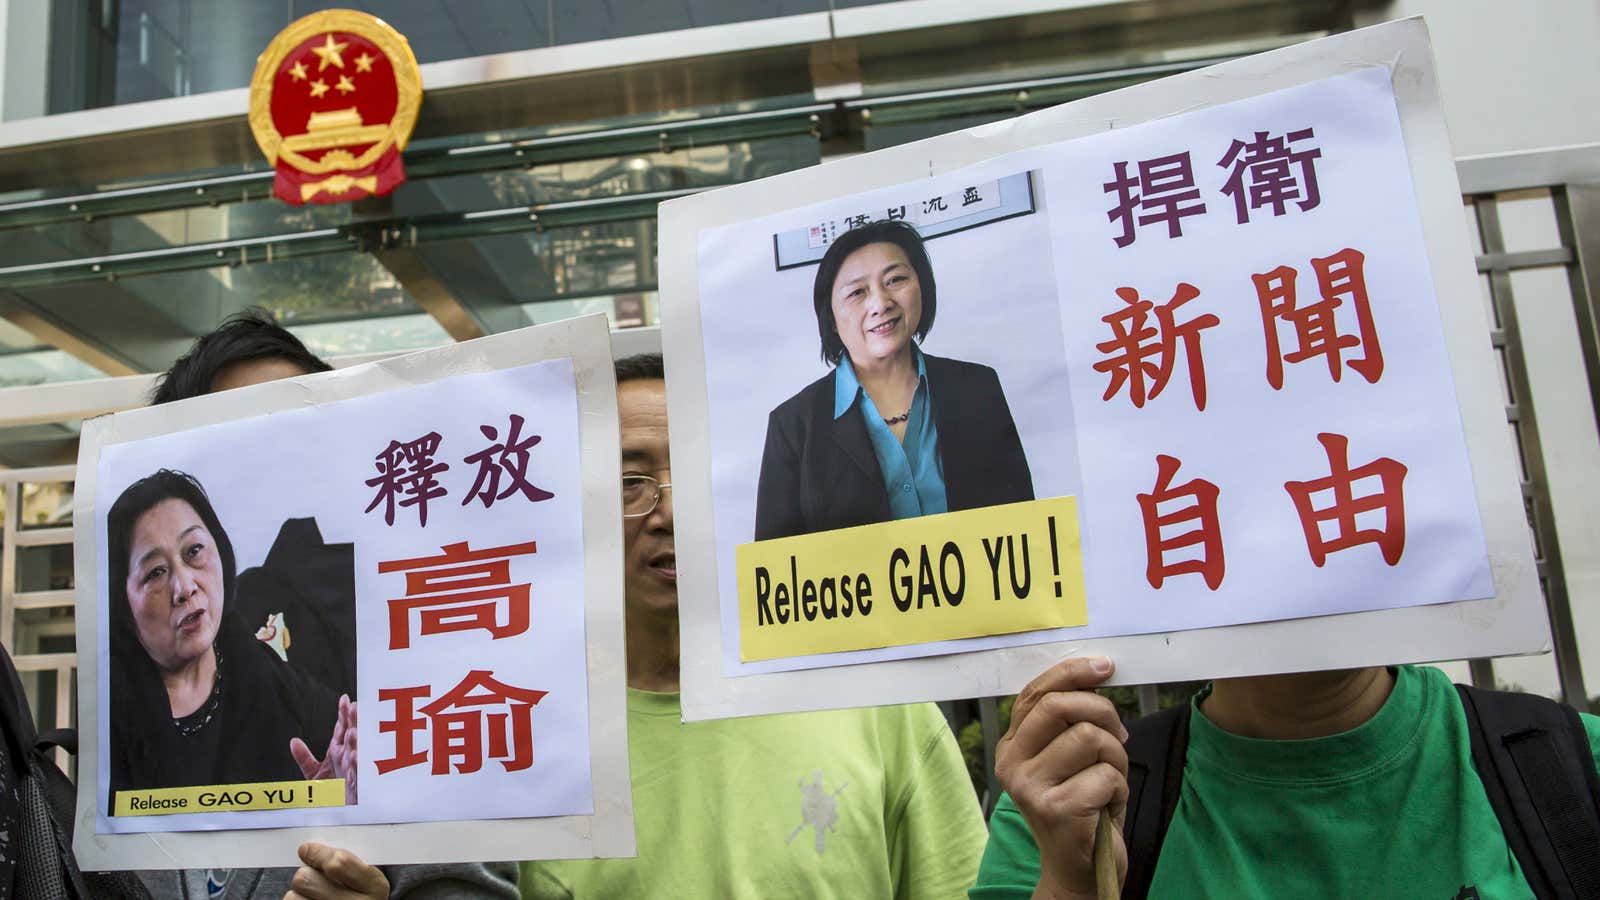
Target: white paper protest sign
x: 387, y: 595
x: 1226, y: 383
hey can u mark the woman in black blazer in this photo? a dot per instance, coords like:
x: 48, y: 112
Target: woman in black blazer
x: 946, y: 430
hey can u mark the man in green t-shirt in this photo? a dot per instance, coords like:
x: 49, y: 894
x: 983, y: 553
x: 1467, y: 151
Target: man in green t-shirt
x: 846, y: 803
x: 1356, y: 783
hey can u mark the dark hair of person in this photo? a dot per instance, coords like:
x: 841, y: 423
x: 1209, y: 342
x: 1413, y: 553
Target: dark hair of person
x: 641, y: 367
x: 890, y: 231
x: 247, y: 335
x: 136, y: 500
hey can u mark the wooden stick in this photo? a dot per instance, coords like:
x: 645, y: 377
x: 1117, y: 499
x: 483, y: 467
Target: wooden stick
x: 1105, y: 859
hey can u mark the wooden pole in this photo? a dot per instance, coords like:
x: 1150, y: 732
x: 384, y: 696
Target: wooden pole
x: 1105, y: 859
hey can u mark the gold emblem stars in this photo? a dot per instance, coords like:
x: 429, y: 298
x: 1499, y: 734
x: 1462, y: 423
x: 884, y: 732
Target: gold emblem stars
x: 345, y: 86
x: 329, y: 52
x: 364, y: 62
x: 298, y: 71
x: 318, y: 88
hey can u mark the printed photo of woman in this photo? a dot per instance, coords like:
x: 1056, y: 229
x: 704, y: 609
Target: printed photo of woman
x: 891, y: 432
x: 196, y: 698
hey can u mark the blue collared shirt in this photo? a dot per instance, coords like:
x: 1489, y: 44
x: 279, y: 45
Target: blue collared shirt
x: 912, y: 472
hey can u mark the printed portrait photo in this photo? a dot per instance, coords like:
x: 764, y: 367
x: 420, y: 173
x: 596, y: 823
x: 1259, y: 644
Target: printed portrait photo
x: 883, y: 357
x: 223, y: 676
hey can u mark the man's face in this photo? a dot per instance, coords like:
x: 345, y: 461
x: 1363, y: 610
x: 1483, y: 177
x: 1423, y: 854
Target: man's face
x: 254, y: 371
x: 650, y: 564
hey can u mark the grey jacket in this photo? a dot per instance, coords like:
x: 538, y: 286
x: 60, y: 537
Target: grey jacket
x: 452, y: 881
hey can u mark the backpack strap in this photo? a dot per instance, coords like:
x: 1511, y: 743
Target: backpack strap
x: 65, y: 738
x: 1533, y: 757
x: 1157, y: 747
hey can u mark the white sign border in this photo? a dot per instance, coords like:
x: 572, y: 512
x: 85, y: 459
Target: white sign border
x: 606, y: 833
x: 1512, y: 622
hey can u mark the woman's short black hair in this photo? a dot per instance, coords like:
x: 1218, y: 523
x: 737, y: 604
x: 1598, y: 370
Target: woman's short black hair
x: 250, y: 334
x: 138, y: 499
x: 890, y: 231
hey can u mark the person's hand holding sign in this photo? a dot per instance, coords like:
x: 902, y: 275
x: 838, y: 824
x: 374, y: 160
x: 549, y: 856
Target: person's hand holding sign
x: 340, y: 760
x: 1062, y: 761
x: 330, y: 873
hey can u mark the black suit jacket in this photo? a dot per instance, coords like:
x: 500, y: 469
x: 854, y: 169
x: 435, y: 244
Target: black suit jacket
x: 819, y: 473
x: 313, y: 583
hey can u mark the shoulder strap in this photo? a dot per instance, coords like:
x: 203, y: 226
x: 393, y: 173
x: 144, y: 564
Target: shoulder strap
x: 1157, y: 746
x: 1533, y: 757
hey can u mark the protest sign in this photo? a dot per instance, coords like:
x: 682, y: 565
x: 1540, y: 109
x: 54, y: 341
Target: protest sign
x: 432, y: 540
x: 1208, y: 390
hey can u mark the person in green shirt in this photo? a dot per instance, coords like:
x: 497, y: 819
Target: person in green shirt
x: 843, y: 803
x: 1355, y: 783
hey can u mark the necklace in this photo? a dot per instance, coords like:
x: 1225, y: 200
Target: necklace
x: 896, y: 420
x: 190, y: 725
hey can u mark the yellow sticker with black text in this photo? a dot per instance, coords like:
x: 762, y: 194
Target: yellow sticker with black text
x: 231, y: 797
x: 996, y: 570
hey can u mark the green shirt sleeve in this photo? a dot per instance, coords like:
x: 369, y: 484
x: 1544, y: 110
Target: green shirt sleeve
x: 935, y: 826
x: 1591, y: 725
x: 1010, y: 867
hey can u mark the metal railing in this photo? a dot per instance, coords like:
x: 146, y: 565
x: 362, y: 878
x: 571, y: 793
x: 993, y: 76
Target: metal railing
x: 29, y: 623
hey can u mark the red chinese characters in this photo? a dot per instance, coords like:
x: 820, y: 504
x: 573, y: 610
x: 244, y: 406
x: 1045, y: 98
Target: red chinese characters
x: 1340, y: 277
x: 460, y: 590
x: 1142, y: 352
x: 1346, y: 506
x: 1167, y: 509
x: 1143, y: 356
x: 1196, y: 502
x: 480, y: 718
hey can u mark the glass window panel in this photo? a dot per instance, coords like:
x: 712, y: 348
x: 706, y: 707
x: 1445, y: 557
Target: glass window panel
x: 621, y: 310
x: 453, y: 29
x: 880, y: 136
x: 197, y: 224
x: 153, y: 319
x: 13, y: 338
x: 380, y: 335
x: 47, y: 568
x: 43, y: 367
x: 103, y: 53
x: 39, y: 444
x: 44, y: 627
x: 585, y: 20
x: 46, y: 504
x: 40, y: 686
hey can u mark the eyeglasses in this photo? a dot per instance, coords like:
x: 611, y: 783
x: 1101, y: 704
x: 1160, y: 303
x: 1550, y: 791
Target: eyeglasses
x: 640, y: 494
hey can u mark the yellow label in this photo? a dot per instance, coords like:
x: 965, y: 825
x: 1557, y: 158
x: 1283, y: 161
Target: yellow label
x: 231, y: 797
x: 996, y: 570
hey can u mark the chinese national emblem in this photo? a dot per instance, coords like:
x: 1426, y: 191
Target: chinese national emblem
x: 332, y: 104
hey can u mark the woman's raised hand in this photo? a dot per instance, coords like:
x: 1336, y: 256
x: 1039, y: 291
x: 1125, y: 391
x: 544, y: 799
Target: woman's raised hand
x: 340, y: 760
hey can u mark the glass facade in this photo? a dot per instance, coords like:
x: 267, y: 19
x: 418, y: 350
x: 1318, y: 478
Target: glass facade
x: 108, y: 52
x: 499, y: 264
